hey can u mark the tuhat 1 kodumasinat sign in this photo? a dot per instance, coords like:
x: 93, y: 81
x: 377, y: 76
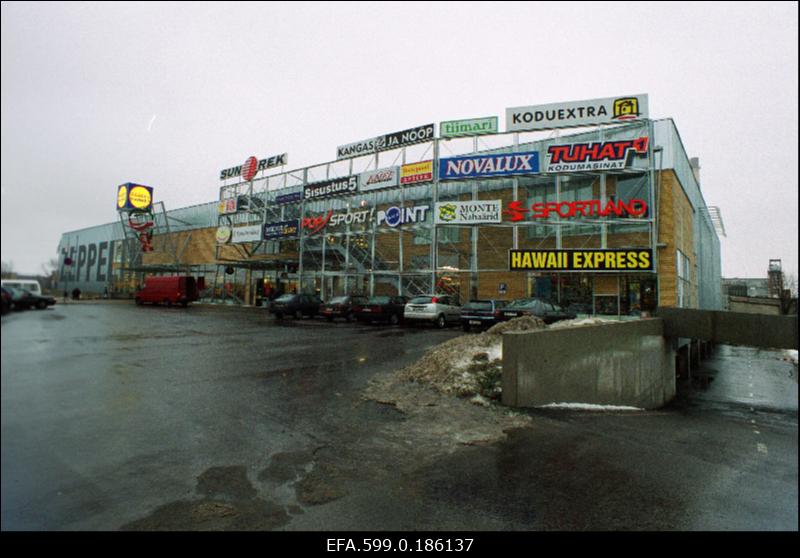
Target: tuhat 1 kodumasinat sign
x: 471, y: 127
x: 611, y: 110
x: 132, y: 196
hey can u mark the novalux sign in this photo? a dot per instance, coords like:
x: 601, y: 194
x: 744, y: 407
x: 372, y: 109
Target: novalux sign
x: 611, y: 110
x: 581, y: 260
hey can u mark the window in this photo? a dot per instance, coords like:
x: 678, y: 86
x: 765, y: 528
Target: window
x: 684, y: 281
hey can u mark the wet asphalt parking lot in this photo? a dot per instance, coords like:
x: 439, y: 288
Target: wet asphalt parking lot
x: 119, y: 417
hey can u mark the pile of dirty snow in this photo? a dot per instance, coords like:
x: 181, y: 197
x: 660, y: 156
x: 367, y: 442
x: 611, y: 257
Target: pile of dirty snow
x: 790, y: 355
x: 580, y: 322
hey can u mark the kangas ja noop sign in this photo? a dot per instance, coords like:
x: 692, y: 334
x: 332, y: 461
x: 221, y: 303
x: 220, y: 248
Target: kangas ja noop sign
x: 386, y: 142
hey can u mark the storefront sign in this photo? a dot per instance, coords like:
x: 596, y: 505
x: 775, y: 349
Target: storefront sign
x: 268, y: 163
x: 289, y: 198
x: 229, y: 205
x: 316, y: 223
x: 394, y: 216
x: 581, y: 260
x: 467, y: 212
x: 223, y: 234
x: 386, y: 142
x: 611, y: 110
x: 503, y: 164
x: 605, y: 155
x: 584, y: 208
x: 473, y: 127
x: 377, y: 179
x: 416, y: 173
x: 329, y: 188
x: 251, y: 233
x: 281, y: 230
x: 330, y: 219
x: 132, y: 196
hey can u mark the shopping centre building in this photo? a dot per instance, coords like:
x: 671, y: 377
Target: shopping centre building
x: 591, y: 204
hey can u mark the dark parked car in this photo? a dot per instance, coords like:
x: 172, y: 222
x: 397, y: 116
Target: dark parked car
x: 481, y: 313
x: 342, y: 307
x: 7, y: 298
x: 383, y: 309
x: 579, y: 308
x: 297, y: 305
x: 22, y: 299
x: 547, y: 311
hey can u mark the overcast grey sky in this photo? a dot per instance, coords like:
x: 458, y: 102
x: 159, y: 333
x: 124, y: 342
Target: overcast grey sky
x: 168, y: 94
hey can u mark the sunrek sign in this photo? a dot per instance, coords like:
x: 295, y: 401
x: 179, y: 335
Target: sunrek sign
x: 577, y: 113
x: 386, y: 142
x: 503, y: 164
x: 377, y: 179
x: 473, y: 127
x: 601, y: 155
x: 250, y: 168
x: 329, y: 188
x: 467, y: 212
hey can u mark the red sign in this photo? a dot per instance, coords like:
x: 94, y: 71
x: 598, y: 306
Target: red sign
x: 595, y: 156
x: 249, y: 169
x: 316, y: 224
x: 587, y: 208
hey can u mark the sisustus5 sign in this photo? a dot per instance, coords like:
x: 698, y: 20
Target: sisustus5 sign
x: 501, y: 164
x: 329, y: 188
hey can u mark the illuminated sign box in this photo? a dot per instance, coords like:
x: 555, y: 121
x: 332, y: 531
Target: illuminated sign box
x: 632, y: 259
x: 132, y: 196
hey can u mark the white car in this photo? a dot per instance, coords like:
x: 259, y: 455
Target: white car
x: 437, y: 309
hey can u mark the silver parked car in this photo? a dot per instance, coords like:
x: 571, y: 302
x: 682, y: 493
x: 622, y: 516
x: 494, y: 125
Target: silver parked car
x: 437, y: 309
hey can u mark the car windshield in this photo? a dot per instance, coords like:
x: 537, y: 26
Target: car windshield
x: 421, y: 300
x: 521, y: 302
x: 378, y: 300
x: 340, y: 300
x: 478, y: 305
x: 285, y: 298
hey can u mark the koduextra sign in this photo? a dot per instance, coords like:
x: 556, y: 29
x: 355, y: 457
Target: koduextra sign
x: 594, y: 156
x: 377, y: 179
x: 610, y: 110
x: 330, y: 188
x: 503, y: 164
x: 581, y: 260
x: 471, y: 127
x: 252, y: 166
x: 386, y: 142
x: 468, y: 212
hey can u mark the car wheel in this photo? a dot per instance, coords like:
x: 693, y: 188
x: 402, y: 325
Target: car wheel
x: 278, y: 316
x: 41, y: 305
x: 393, y: 319
x: 350, y: 318
x: 167, y: 302
x: 441, y: 322
x: 298, y: 314
x: 138, y: 301
x: 465, y: 326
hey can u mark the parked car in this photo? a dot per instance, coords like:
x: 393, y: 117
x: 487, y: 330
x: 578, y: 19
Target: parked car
x: 342, y: 307
x: 25, y: 284
x: 297, y: 305
x: 579, y: 308
x: 173, y: 289
x: 7, y: 298
x: 437, y: 309
x: 543, y: 309
x: 481, y: 313
x: 40, y: 302
x: 21, y: 299
x: 383, y: 309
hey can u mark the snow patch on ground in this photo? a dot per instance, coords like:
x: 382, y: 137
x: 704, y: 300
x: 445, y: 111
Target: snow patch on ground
x: 790, y: 355
x: 589, y: 407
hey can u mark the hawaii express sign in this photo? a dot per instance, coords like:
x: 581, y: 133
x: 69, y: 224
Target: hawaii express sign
x: 502, y: 164
x: 610, y: 110
x: 594, y: 156
x: 468, y: 212
x: 384, y: 143
x: 581, y: 260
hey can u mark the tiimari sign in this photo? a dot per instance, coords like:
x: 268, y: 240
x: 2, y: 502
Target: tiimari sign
x: 581, y: 260
x: 473, y: 127
x: 583, y: 208
x: 605, y: 155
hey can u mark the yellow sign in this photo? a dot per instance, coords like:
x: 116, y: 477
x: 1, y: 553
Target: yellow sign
x: 122, y: 196
x: 581, y: 260
x: 626, y: 109
x: 140, y: 197
x: 416, y: 172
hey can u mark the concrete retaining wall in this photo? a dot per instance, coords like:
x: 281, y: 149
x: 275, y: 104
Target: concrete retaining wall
x: 731, y: 328
x: 626, y: 363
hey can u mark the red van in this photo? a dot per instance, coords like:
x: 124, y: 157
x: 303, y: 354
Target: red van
x: 175, y: 289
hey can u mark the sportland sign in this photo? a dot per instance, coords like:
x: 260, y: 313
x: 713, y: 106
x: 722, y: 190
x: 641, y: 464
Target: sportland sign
x: 611, y: 110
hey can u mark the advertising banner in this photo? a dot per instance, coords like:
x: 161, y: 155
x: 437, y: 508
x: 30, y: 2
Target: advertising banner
x: 471, y: 127
x: 229, y: 205
x: 281, y: 230
x: 416, y: 173
x: 594, y: 156
x: 132, y: 196
x: 329, y: 188
x: 581, y: 208
x: 250, y: 233
x: 395, y: 216
x: 289, y: 198
x: 502, y: 164
x: 386, y: 142
x: 250, y: 170
x: 223, y: 234
x: 611, y: 110
x: 467, y: 212
x: 581, y: 260
x: 377, y: 179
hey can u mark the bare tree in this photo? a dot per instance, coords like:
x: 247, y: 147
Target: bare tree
x: 7, y: 270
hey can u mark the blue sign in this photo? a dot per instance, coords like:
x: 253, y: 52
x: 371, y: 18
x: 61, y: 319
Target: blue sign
x: 501, y: 164
x: 289, y: 198
x: 282, y: 229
